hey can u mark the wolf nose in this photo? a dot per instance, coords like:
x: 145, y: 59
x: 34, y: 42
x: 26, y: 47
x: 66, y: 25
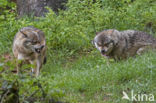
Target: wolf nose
x: 103, y: 51
x: 37, y: 50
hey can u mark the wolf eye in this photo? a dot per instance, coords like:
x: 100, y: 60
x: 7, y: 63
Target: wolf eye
x: 34, y: 42
x: 99, y: 44
x: 107, y: 44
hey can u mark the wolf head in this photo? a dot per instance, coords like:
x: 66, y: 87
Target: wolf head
x: 34, y: 39
x: 106, y: 40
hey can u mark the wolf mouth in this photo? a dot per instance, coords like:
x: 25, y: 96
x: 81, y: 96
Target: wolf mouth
x: 105, y: 55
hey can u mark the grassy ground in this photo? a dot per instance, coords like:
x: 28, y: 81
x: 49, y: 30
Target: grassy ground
x: 87, y: 77
x: 91, y: 78
x: 94, y: 79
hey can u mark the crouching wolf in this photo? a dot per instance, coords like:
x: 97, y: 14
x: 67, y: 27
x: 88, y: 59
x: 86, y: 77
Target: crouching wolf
x: 30, y: 45
x: 123, y: 44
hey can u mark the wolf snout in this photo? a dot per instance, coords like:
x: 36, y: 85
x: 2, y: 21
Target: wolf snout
x: 37, y: 50
x: 103, y: 51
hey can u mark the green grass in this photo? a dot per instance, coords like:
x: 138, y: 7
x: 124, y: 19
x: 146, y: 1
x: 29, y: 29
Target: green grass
x: 91, y: 78
x: 94, y: 79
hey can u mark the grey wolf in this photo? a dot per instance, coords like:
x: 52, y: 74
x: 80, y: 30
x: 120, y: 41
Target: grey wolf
x: 30, y: 45
x: 123, y: 44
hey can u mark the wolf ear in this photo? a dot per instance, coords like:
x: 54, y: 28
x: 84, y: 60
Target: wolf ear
x: 25, y: 35
x: 115, y: 36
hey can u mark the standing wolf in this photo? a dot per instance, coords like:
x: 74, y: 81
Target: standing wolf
x: 29, y: 45
x: 123, y: 44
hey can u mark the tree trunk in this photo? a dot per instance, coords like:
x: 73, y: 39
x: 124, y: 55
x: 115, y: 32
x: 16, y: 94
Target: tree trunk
x: 13, y: 1
x: 37, y: 7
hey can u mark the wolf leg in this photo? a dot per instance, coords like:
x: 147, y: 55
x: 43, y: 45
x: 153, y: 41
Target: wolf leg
x: 19, y: 63
x: 32, y: 66
x: 39, y: 65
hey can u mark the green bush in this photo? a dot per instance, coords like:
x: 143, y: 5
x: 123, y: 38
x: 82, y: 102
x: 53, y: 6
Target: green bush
x: 73, y: 29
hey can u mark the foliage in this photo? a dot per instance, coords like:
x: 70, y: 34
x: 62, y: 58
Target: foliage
x: 73, y: 29
x: 25, y: 87
x: 7, y: 7
x: 70, y: 75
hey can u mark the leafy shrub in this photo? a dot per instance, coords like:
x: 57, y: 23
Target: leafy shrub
x: 25, y: 87
x: 73, y: 29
